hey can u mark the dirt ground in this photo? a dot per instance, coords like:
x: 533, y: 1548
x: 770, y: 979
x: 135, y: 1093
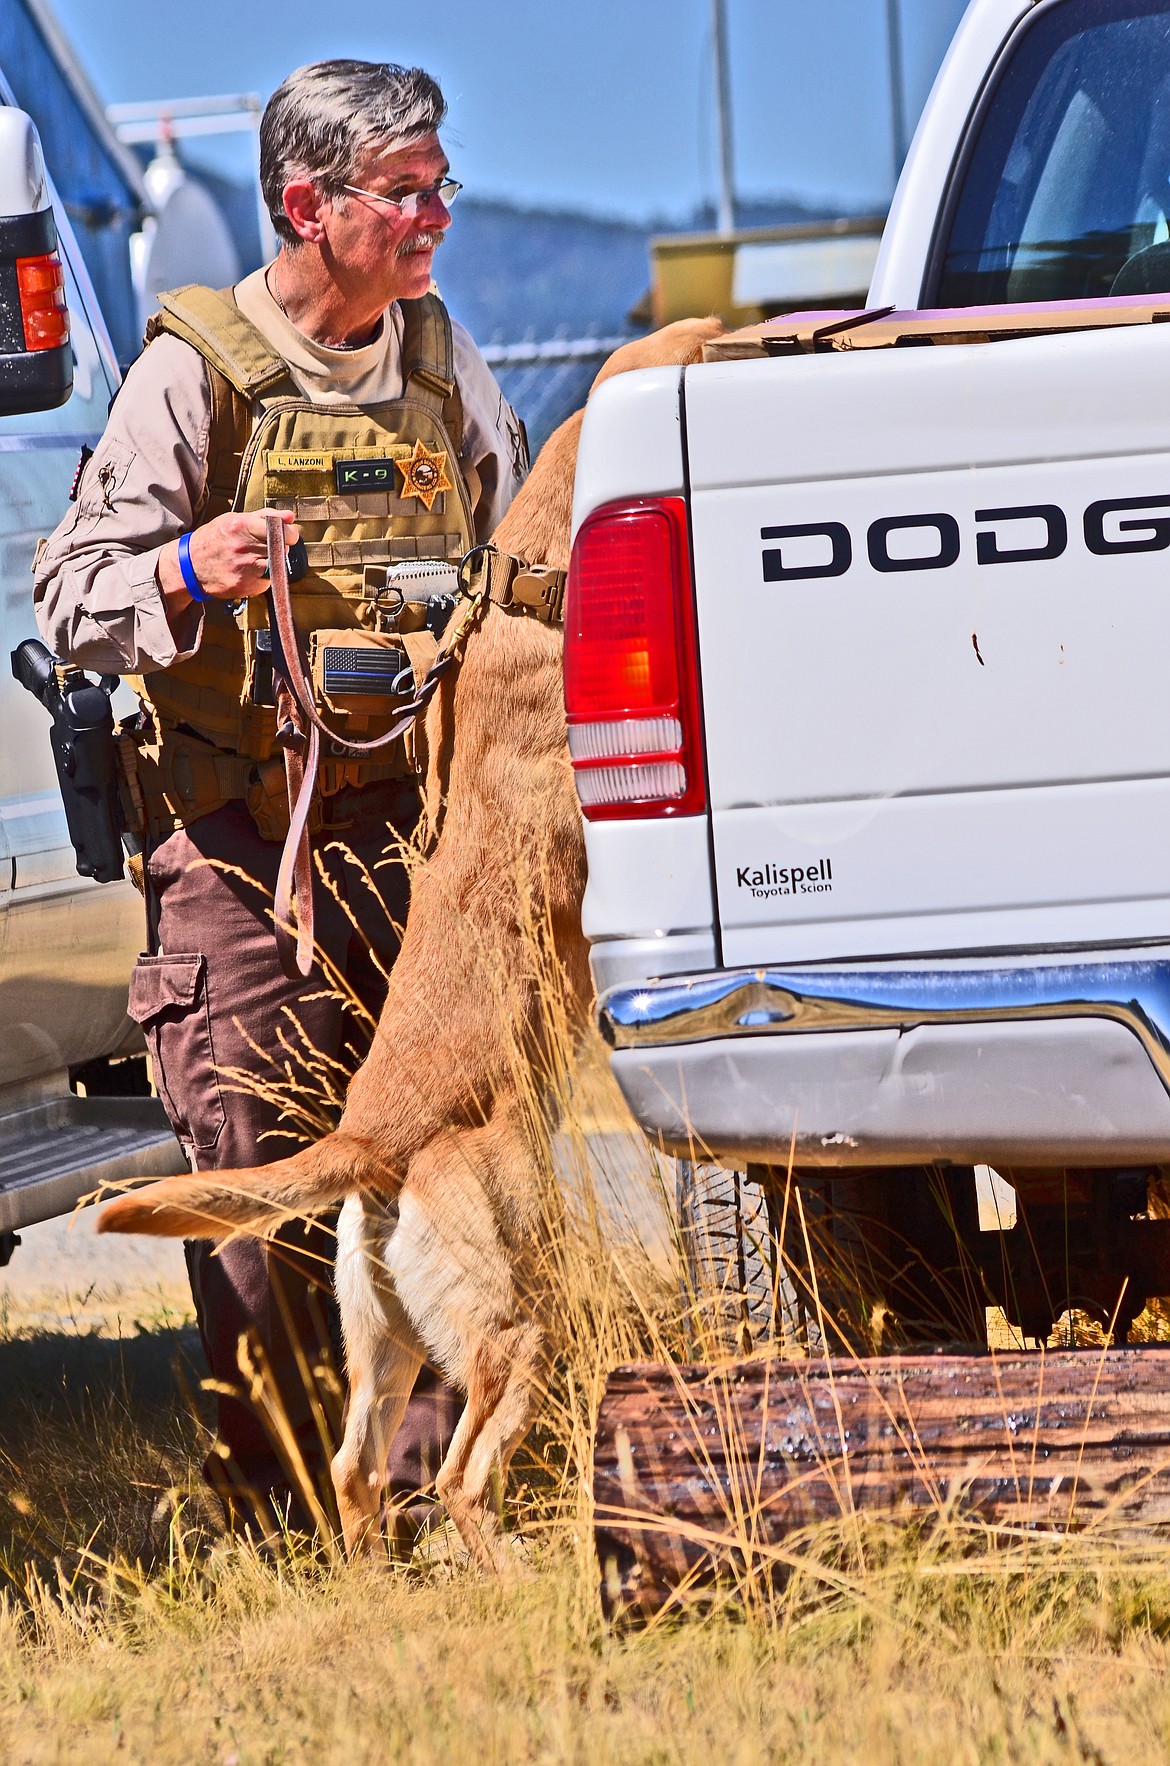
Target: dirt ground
x: 63, y: 1276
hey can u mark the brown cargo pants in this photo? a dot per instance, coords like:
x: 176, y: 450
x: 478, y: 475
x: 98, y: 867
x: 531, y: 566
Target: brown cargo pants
x: 243, y: 1059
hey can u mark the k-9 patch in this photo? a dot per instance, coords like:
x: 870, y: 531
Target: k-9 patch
x: 364, y: 475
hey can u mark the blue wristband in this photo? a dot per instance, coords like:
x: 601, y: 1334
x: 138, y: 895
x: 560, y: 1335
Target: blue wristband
x: 190, y: 581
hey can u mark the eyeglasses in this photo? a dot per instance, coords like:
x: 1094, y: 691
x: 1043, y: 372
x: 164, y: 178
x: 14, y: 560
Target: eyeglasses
x: 446, y: 190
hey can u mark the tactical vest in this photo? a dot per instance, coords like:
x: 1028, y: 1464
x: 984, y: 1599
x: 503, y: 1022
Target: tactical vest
x: 370, y: 487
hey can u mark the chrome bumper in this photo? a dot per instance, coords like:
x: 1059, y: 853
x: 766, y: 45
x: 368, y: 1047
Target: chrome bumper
x: 1031, y: 1062
x: 779, y: 1002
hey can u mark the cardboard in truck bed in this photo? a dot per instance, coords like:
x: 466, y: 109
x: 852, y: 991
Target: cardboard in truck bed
x: 887, y: 328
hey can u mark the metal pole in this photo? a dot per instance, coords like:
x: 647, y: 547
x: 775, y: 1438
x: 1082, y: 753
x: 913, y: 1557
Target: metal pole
x: 723, y: 115
x: 269, y: 243
x: 897, y: 84
x: 181, y: 117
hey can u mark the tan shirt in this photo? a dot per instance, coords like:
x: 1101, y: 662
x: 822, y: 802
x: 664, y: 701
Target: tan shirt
x: 97, y: 597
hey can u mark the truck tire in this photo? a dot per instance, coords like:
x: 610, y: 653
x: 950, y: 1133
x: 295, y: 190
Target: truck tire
x: 727, y: 1259
x: 886, y: 1268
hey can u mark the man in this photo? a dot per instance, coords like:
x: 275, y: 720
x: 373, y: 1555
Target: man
x: 332, y: 386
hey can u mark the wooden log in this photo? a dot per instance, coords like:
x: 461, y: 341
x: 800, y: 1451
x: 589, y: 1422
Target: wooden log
x: 702, y: 1472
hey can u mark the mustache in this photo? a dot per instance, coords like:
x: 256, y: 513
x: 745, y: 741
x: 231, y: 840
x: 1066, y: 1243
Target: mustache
x: 420, y: 243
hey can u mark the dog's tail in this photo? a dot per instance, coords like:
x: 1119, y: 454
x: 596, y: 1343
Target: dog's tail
x: 258, y: 1200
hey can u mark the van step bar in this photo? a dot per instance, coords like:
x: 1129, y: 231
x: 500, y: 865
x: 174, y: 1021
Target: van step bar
x: 58, y: 1151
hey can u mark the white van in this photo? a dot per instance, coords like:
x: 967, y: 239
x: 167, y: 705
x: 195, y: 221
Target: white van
x: 66, y: 944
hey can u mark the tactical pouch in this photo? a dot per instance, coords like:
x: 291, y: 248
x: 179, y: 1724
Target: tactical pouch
x: 266, y: 801
x: 360, y: 676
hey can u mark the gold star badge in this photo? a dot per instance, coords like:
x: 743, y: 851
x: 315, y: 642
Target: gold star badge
x: 424, y: 474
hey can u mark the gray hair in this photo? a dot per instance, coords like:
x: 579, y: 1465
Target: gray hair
x: 323, y: 120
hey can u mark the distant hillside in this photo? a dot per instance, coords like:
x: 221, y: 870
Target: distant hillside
x: 510, y: 273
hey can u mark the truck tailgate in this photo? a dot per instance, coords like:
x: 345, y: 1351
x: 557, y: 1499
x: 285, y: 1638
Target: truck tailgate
x: 938, y: 718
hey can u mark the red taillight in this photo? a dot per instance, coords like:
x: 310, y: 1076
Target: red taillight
x: 631, y: 687
x: 41, y: 282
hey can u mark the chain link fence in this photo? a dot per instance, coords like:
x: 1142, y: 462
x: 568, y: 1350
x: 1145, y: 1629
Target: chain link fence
x: 546, y: 382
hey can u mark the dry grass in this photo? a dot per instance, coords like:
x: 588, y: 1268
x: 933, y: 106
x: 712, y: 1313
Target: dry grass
x: 925, y: 1658
x: 130, y: 1630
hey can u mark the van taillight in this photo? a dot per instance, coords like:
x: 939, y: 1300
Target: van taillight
x: 41, y: 283
x: 631, y: 683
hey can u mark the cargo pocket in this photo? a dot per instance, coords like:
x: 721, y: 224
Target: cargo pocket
x: 168, y: 997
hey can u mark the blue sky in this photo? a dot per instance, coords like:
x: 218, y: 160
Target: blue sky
x: 606, y: 106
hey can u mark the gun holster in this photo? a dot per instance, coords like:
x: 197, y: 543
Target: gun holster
x: 82, y: 740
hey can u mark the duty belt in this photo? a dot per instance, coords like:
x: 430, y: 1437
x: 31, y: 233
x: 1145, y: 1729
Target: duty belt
x: 173, y: 782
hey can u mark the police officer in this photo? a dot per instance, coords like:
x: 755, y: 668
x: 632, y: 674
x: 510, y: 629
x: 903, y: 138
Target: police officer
x: 330, y: 385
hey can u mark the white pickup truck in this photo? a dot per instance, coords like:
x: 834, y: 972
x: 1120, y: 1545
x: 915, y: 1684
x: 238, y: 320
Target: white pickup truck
x: 67, y: 944
x: 866, y: 670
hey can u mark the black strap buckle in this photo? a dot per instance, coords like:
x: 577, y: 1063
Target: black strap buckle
x: 470, y: 561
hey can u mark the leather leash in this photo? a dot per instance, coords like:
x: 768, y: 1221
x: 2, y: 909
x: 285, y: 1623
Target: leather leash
x: 510, y: 582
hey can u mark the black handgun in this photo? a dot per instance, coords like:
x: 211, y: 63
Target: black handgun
x: 82, y: 740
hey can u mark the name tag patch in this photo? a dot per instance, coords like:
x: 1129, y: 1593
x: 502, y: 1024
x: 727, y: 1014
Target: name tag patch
x: 299, y: 462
